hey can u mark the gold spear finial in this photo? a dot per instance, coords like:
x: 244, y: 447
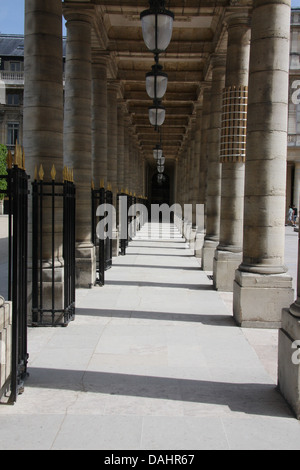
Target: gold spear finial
x: 23, y: 159
x: 65, y: 173
x: 41, y: 173
x: 102, y: 183
x: 92, y: 185
x: 53, y: 172
x: 9, y: 160
x: 35, y: 173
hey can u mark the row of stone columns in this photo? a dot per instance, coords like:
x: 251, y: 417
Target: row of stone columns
x: 243, y: 155
x: 246, y: 193
x: 73, y: 130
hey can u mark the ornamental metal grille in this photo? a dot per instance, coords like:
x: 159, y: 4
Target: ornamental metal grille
x: 234, y: 124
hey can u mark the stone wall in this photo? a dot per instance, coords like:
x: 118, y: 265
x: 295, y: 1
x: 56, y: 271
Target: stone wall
x: 5, y: 344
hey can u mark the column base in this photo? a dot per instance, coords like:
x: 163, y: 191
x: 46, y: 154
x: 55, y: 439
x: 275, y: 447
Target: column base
x: 192, y: 239
x: 199, y: 242
x: 225, y: 264
x: 187, y: 230
x: 289, y: 361
x: 52, y: 296
x: 115, y: 244
x: 258, y: 299
x: 208, y: 254
x: 85, y: 259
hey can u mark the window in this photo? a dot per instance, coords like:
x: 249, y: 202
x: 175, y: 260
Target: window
x: 13, y: 99
x: 15, y: 66
x: 12, y: 132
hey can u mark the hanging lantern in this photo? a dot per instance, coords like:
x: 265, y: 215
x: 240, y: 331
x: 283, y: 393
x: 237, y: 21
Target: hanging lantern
x: 157, y: 114
x: 156, y: 82
x: 157, y: 26
x: 161, y: 161
x: 157, y: 152
x: 160, y: 169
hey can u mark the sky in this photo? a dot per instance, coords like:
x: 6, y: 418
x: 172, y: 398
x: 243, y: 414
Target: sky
x: 12, y: 16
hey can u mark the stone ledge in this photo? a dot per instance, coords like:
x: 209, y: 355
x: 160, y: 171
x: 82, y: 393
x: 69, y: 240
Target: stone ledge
x: 5, y: 344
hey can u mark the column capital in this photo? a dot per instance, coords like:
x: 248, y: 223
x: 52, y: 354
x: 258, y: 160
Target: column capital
x: 116, y: 86
x: 238, y: 17
x: 218, y: 61
x: 100, y: 58
x: 84, y: 13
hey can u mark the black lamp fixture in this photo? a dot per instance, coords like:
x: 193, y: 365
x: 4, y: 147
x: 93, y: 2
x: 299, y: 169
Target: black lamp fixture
x: 157, y: 26
x: 157, y: 152
x: 156, y: 82
x: 161, y: 161
x: 157, y: 114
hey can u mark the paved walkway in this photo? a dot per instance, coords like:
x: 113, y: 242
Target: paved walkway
x: 152, y: 361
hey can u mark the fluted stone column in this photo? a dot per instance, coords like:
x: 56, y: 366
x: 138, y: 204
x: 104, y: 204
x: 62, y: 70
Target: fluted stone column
x: 262, y: 287
x: 99, y: 75
x: 228, y: 254
x: 43, y: 123
x: 78, y: 136
x: 213, y: 195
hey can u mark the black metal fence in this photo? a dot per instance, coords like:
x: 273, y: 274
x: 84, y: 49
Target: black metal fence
x: 102, y: 241
x: 53, y: 232
x: 17, y: 196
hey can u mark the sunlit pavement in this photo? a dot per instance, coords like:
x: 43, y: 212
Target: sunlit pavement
x: 153, y: 360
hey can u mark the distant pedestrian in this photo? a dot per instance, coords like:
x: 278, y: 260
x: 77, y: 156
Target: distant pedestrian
x: 291, y: 216
x: 295, y: 216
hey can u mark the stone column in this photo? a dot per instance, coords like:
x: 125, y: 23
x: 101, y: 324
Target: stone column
x: 112, y: 152
x: 99, y: 129
x: 203, y: 169
x: 289, y: 351
x: 121, y: 147
x: 199, y: 185
x: 297, y: 186
x: 126, y: 151
x: 43, y: 123
x: 78, y: 136
x: 213, y: 195
x: 228, y: 255
x: 262, y: 287
x: 43, y: 91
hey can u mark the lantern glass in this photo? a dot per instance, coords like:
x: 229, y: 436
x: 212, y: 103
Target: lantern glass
x: 157, y: 29
x: 157, y: 115
x: 161, y: 161
x: 156, y: 84
x: 157, y: 153
x: 160, y: 169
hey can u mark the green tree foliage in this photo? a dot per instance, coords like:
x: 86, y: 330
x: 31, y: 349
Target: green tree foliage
x: 3, y: 155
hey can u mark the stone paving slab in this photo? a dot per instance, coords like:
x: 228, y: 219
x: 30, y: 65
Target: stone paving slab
x: 153, y: 361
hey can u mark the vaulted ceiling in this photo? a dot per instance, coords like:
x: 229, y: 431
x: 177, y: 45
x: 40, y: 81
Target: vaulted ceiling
x: 199, y: 31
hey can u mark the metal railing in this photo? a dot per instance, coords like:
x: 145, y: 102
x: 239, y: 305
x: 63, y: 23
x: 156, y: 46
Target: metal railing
x: 17, y: 194
x: 53, y: 280
x: 102, y: 241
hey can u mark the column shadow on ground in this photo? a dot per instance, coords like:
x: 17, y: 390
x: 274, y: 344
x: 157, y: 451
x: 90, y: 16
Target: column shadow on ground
x: 197, y: 287
x: 206, y: 319
x: 250, y: 398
